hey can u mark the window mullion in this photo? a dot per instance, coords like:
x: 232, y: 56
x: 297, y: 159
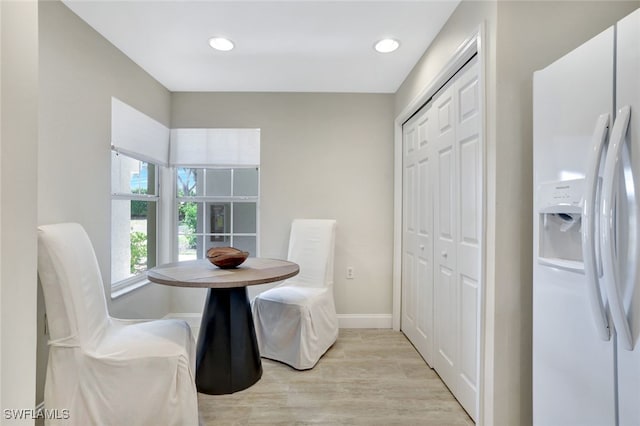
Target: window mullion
x: 204, y: 182
x: 203, y: 226
x: 232, y: 186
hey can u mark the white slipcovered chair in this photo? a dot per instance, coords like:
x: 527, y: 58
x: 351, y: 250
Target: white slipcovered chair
x: 296, y: 321
x: 103, y: 370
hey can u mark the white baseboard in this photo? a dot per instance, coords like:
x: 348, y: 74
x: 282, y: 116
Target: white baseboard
x: 344, y: 320
x: 364, y: 320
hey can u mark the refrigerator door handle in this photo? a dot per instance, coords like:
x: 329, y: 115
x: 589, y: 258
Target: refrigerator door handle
x: 589, y: 232
x: 611, y: 275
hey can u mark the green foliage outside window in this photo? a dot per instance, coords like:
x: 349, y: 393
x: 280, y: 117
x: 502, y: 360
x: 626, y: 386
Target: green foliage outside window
x: 139, y: 209
x: 188, y: 215
x: 138, y: 251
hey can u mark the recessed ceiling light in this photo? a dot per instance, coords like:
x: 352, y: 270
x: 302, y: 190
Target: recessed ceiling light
x: 221, y: 43
x: 387, y: 45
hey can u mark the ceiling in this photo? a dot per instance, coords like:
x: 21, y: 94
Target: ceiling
x: 280, y: 46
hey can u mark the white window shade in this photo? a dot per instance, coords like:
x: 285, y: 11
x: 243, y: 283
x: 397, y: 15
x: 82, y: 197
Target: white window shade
x: 138, y: 135
x: 219, y: 147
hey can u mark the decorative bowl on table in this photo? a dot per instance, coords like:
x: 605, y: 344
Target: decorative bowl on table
x: 226, y: 257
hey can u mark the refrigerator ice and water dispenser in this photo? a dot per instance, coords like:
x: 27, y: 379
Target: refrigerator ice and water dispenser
x: 560, y: 228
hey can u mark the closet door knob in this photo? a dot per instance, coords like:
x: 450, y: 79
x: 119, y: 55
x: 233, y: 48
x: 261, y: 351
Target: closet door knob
x: 421, y: 246
x: 444, y: 254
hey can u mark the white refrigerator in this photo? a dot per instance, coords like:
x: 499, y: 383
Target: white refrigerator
x: 586, y: 232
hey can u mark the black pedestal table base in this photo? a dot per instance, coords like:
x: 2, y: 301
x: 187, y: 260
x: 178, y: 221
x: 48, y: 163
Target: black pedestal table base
x: 228, y: 358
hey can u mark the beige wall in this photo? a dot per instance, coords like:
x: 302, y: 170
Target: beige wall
x: 521, y: 37
x: 465, y: 20
x: 322, y: 156
x: 18, y: 154
x: 79, y: 73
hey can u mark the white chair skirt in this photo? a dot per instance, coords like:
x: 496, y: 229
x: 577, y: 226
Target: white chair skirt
x: 136, y: 369
x: 295, y: 324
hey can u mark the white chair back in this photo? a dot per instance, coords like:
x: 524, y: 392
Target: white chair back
x: 311, y: 245
x: 72, y: 284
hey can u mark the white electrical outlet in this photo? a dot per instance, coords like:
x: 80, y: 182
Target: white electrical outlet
x: 350, y: 272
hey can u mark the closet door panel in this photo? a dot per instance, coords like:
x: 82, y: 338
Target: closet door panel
x: 417, y: 281
x: 409, y: 227
x: 425, y: 259
x: 446, y: 327
x: 469, y: 226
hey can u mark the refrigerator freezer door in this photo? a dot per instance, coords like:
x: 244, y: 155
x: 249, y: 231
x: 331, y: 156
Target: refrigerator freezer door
x: 628, y: 93
x: 573, y: 368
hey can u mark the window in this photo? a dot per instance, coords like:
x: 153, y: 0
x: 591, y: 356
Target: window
x: 217, y: 207
x: 134, y: 213
x: 217, y: 174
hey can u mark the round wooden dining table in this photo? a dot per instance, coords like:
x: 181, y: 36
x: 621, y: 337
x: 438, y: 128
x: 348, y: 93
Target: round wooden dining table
x: 227, y: 356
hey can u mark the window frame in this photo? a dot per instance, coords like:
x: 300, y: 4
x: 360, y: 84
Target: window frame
x: 126, y: 285
x: 212, y: 199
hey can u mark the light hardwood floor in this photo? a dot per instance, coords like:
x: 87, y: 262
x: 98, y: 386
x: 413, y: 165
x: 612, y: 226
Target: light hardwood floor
x: 369, y: 377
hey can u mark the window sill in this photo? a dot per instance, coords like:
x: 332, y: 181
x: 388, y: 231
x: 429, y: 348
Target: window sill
x: 128, y: 288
